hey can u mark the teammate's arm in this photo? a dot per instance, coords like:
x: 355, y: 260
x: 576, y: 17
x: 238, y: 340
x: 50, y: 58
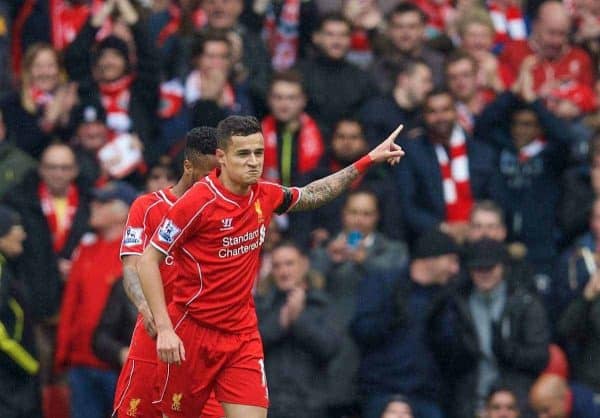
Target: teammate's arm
x: 168, y: 345
x: 324, y: 190
x: 133, y: 289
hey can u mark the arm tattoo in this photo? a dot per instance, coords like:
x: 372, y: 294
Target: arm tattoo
x: 324, y: 190
x: 133, y: 288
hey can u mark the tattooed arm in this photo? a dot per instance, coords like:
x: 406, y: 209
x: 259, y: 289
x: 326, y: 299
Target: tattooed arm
x: 133, y: 289
x: 324, y: 190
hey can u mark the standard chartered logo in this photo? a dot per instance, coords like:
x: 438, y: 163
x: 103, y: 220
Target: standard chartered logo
x: 233, y: 246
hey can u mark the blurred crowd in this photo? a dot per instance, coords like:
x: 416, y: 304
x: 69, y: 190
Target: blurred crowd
x: 461, y: 283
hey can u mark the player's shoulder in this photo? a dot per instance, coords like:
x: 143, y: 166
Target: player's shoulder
x: 143, y: 202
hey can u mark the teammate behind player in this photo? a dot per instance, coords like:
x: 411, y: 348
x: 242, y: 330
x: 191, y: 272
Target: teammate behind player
x: 215, y: 233
x: 133, y: 396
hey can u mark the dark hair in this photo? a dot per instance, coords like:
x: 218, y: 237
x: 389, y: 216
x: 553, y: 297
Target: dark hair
x: 287, y: 76
x: 497, y: 388
x: 332, y: 17
x: 212, y: 35
x: 406, y: 7
x: 200, y: 140
x: 459, y: 55
x: 236, y: 126
x: 348, y: 119
x: 437, y: 91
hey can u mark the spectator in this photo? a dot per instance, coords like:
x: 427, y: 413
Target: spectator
x: 293, y: 142
x: 488, y: 331
x: 53, y: 204
x: 14, y: 163
x: 501, y: 402
x: 580, y: 323
x: 39, y: 111
x: 405, y: 41
x: 553, y: 397
x: 210, y: 91
x: 91, y: 381
x: 250, y: 57
x: 20, y: 395
x: 298, y: 343
x: 397, y: 407
x: 125, y: 83
x: 286, y: 28
x: 380, y: 115
x: 581, y: 186
x: 160, y: 177
x: 557, y: 62
x: 366, y: 17
x: 348, y: 144
x: 487, y: 221
x: 335, y: 88
x: 587, y: 29
x: 532, y: 144
x: 356, y: 251
x: 470, y: 97
x: 390, y: 326
x: 476, y: 34
x: 444, y: 171
x: 110, y: 342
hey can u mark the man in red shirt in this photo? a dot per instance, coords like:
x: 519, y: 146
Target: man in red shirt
x: 94, y: 270
x: 215, y: 233
x: 134, y: 393
x: 557, y: 62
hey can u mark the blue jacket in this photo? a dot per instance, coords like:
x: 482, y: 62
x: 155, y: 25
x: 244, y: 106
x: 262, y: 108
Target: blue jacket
x: 532, y: 187
x: 586, y: 404
x: 420, y: 181
x: 390, y: 329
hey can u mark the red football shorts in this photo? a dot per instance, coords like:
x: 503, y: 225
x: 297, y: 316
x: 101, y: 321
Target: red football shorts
x: 230, y: 364
x: 135, y: 391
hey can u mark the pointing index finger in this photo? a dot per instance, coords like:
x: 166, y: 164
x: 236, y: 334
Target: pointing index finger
x: 394, y: 134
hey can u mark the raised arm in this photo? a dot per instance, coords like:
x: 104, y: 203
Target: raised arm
x: 324, y: 190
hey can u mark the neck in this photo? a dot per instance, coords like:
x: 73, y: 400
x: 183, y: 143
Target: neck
x: 57, y: 193
x: 111, y: 233
x: 292, y: 125
x: 181, y: 187
x: 233, y: 187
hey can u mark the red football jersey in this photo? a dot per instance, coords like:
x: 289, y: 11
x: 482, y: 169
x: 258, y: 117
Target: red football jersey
x: 145, y: 215
x: 574, y: 66
x: 215, y: 237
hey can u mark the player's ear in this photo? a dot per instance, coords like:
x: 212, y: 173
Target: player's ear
x: 220, y: 154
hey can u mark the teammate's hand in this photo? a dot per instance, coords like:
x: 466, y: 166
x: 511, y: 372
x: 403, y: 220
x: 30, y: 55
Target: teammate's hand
x: 148, y: 320
x: 169, y: 347
x: 388, y: 150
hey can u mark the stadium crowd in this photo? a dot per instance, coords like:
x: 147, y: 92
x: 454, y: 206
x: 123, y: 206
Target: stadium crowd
x: 461, y: 283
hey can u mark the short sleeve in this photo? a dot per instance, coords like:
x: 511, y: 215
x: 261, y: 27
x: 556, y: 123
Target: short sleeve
x: 134, y: 237
x: 287, y: 198
x: 181, y: 221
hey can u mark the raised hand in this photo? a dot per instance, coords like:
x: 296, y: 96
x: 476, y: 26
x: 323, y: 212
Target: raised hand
x: 388, y: 150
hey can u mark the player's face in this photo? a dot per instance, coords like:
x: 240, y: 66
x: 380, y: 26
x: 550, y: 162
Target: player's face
x: 242, y: 161
x: 502, y: 405
x: 11, y: 244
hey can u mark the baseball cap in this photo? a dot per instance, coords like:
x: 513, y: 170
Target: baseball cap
x: 485, y: 253
x: 434, y: 243
x: 116, y: 190
x: 8, y: 219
